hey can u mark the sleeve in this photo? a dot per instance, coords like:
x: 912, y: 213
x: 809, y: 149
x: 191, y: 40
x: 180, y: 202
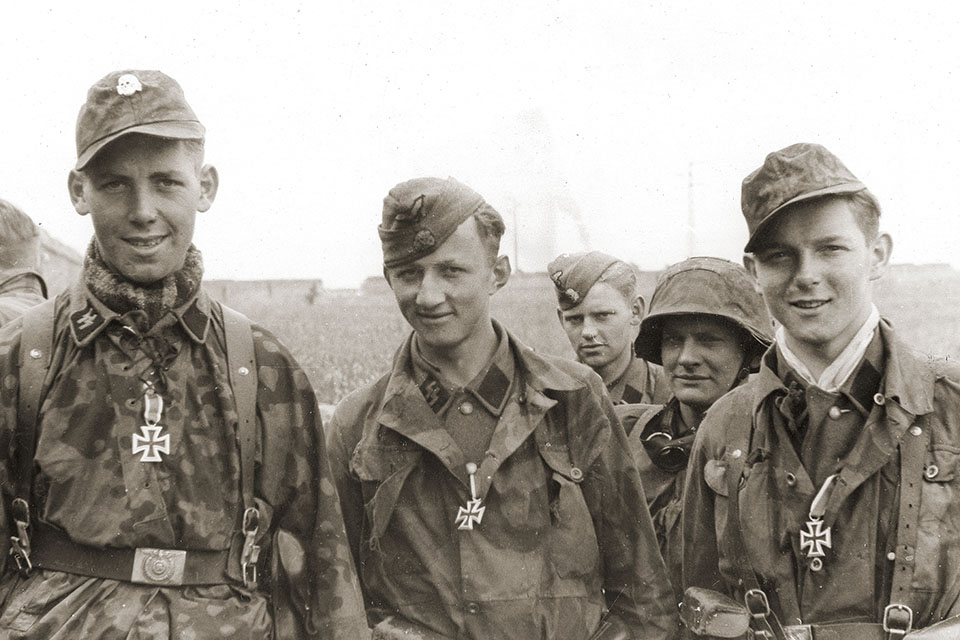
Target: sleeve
x: 314, y: 584
x: 635, y: 582
x: 9, y: 383
x: 340, y: 445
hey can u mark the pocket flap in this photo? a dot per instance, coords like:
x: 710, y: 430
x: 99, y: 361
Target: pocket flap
x: 559, y: 462
x: 940, y: 465
x: 715, y: 475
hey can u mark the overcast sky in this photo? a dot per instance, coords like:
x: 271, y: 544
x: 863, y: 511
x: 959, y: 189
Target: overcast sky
x: 646, y: 116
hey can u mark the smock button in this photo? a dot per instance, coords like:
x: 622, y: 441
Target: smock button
x: 931, y: 471
x: 915, y: 431
x: 736, y: 453
x: 879, y: 399
x: 35, y: 353
x: 466, y: 407
x: 834, y: 413
x: 576, y: 474
x: 891, y: 556
x: 791, y: 480
x: 473, y: 607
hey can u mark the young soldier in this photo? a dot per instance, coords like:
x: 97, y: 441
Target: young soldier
x: 158, y: 494
x: 823, y: 493
x: 21, y: 286
x: 708, y: 328
x: 488, y: 491
x: 600, y: 311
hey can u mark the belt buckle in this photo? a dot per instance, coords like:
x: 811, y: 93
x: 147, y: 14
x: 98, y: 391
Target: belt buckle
x: 897, y: 625
x: 158, y: 566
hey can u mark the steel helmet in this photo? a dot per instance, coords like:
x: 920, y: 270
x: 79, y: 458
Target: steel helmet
x: 705, y: 286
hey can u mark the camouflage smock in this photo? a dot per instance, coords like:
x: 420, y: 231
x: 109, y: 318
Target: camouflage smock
x: 102, y: 495
x: 663, y: 488
x: 565, y: 522
x: 917, y: 398
x: 20, y: 289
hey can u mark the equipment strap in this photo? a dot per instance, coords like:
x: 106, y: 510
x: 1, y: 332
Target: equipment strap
x: 243, y: 380
x: 36, y: 351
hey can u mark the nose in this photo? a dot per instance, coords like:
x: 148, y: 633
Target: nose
x: 430, y: 293
x: 141, y: 209
x: 689, y: 354
x: 808, y: 271
x: 589, y: 331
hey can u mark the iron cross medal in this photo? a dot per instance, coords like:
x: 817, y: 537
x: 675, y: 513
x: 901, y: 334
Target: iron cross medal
x: 153, y: 441
x: 473, y: 512
x: 816, y: 537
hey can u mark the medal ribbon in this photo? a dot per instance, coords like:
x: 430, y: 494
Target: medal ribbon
x: 152, y: 407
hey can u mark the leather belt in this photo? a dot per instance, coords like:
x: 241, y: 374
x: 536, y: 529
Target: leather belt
x: 52, y: 549
x: 838, y: 631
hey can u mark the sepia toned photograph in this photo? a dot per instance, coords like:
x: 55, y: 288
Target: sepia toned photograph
x: 435, y: 321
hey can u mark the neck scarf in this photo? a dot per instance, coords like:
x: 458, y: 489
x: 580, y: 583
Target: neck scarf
x: 843, y: 365
x: 153, y: 300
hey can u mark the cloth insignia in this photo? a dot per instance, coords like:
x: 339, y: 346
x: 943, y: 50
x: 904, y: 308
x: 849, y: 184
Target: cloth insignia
x: 128, y: 84
x: 85, y: 322
x: 434, y: 393
x: 555, y: 276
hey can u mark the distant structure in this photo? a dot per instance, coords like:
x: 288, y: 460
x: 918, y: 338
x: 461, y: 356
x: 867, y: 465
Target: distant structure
x: 543, y: 219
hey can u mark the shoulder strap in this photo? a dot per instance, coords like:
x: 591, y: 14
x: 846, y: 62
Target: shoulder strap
x: 912, y: 447
x: 243, y: 380
x: 36, y: 350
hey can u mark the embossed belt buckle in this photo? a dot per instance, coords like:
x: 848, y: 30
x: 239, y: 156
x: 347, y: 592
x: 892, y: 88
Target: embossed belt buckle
x: 158, y: 566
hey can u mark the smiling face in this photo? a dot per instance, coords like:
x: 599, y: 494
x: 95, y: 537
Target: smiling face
x: 445, y: 296
x: 601, y: 329
x: 143, y: 193
x: 814, y: 271
x: 702, y: 357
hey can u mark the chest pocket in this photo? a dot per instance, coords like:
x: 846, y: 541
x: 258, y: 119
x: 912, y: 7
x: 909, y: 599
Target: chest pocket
x: 382, y: 471
x: 937, y: 525
x: 574, y: 550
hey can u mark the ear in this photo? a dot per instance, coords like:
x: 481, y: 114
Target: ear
x: 637, y: 310
x: 209, y: 182
x: 880, y: 255
x: 76, y: 185
x: 750, y: 264
x: 501, y: 273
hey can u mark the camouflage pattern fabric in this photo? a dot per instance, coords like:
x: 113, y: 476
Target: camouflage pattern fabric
x: 565, y: 539
x: 90, y: 484
x: 19, y: 290
x: 663, y: 489
x: 918, y: 398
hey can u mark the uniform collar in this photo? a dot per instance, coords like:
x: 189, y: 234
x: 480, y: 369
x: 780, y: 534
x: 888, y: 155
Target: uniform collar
x: 89, y: 317
x: 490, y: 387
x: 906, y: 376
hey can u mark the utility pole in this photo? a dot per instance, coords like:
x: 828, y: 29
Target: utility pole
x: 691, y: 218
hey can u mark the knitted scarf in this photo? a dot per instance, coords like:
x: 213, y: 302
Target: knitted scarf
x: 154, y: 300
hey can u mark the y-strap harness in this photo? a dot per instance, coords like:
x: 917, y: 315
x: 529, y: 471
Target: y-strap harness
x: 897, y: 616
x: 40, y: 545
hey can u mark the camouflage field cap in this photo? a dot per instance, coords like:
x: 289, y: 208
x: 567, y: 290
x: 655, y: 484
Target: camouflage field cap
x: 796, y: 173
x: 573, y: 275
x: 125, y: 102
x: 420, y: 214
x: 704, y: 286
